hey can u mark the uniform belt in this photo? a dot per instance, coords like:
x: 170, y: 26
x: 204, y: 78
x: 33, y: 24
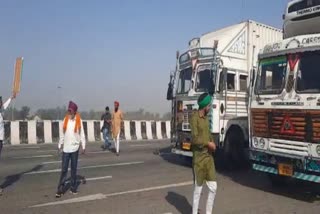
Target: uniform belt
x: 200, y: 149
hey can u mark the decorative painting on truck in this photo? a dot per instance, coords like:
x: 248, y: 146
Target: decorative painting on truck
x: 239, y: 46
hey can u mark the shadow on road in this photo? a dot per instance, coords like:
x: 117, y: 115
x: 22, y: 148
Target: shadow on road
x: 165, y: 154
x: 179, y: 202
x: 12, y: 179
x: 295, y: 189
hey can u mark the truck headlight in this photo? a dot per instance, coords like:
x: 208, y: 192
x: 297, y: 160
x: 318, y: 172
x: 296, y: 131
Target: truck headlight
x: 318, y: 150
x: 255, y: 142
x: 262, y: 143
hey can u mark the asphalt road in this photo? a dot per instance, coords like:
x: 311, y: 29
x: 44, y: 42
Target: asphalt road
x: 145, y: 178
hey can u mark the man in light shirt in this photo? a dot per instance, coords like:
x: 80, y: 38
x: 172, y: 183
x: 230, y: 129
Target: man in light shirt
x: 71, y: 140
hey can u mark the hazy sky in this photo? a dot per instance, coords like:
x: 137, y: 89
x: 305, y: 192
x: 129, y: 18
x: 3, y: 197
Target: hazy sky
x: 99, y: 51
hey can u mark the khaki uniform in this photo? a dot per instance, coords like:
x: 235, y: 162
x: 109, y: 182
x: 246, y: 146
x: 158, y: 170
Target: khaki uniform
x: 203, y: 162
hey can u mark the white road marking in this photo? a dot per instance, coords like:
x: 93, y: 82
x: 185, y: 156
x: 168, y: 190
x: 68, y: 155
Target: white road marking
x: 50, y: 150
x: 95, y: 178
x: 100, y: 196
x: 51, y: 162
x: 37, y: 156
x: 87, y: 167
x: 98, y: 178
x: 26, y: 147
x: 98, y: 152
x: 140, y: 145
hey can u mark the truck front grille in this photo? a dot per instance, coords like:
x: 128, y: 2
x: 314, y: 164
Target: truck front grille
x: 286, y: 124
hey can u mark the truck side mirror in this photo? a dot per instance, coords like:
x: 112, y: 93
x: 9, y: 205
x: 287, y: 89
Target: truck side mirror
x: 223, y: 79
x: 213, y: 79
x: 224, y: 72
x: 253, y: 76
x: 170, y: 92
x: 170, y: 89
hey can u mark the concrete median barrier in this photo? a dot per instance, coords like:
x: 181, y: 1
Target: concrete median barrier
x: 47, y: 131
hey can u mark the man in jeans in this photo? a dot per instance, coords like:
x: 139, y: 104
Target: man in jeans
x: 72, y: 136
x: 106, y: 117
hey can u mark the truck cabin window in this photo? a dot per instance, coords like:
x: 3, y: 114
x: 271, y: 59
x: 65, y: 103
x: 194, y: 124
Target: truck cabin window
x: 205, y: 81
x: 243, y: 83
x: 308, y: 75
x: 184, y: 83
x: 271, y: 78
x: 230, y: 82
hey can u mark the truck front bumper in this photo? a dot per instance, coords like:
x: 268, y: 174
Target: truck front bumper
x: 304, y: 168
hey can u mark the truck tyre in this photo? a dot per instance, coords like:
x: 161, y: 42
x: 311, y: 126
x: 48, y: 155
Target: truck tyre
x: 277, y: 180
x: 234, y: 149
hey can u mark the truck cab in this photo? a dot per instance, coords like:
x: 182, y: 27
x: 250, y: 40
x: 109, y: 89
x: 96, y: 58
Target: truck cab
x: 196, y: 73
x: 219, y: 63
x: 285, y: 110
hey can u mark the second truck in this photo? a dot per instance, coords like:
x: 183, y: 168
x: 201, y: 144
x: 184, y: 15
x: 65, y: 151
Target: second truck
x: 285, y: 102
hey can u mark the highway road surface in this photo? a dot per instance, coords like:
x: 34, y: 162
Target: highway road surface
x: 145, y: 178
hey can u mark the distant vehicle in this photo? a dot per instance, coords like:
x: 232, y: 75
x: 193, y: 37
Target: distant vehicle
x: 301, y: 17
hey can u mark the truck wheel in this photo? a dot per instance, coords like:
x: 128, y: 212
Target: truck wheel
x: 234, y: 150
x: 277, y: 180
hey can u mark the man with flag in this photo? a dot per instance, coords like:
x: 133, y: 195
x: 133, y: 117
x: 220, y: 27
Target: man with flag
x: 3, y: 107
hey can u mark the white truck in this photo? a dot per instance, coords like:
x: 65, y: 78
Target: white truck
x: 285, y: 105
x: 219, y: 63
x: 301, y: 17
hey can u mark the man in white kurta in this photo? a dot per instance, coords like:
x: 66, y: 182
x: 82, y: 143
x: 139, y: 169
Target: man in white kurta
x: 72, y: 140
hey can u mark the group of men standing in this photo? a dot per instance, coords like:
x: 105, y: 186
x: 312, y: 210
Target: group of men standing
x: 73, y: 140
x: 112, y: 125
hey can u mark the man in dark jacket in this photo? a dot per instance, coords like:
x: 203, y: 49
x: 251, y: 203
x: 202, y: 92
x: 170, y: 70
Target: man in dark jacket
x: 106, y: 117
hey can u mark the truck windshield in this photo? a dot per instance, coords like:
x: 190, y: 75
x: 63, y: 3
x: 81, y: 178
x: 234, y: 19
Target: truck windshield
x: 184, y: 83
x: 271, y: 78
x: 205, y: 79
x: 308, y: 76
